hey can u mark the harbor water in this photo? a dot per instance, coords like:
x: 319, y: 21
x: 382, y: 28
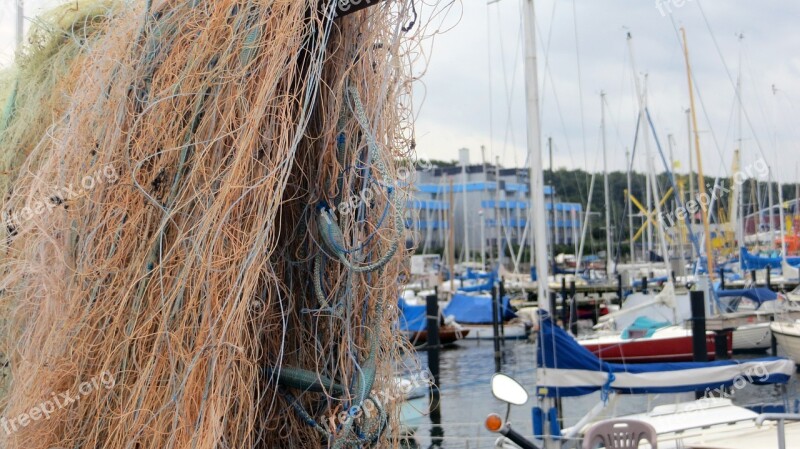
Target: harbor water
x: 466, y: 398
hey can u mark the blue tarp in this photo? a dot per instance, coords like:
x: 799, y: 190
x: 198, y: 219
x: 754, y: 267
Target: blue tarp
x: 490, y: 278
x: 751, y: 262
x: 759, y: 294
x: 565, y: 368
x: 411, y: 318
x: 653, y: 281
x: 473, y: 309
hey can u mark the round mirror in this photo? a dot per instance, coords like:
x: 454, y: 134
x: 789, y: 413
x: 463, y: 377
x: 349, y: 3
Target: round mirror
x: 508, y: 390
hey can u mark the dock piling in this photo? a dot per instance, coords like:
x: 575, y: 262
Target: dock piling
x: 699, y: 349
x: 769, y: 277
x: 564, y: 311
x: 496, y: 328
x: 432, y: 312
x: 573, y: 309
x: 773, y: 344
x: 502, y: 294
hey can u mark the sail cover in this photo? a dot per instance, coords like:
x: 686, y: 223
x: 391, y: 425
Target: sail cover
x: 565, y: 368
x: 412, y: 318
x: 759, y: 295
x: 475, y: 309
x: 751, y: 262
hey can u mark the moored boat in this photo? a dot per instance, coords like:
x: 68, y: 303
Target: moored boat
x: 787, y: 335
x: 668, y: 343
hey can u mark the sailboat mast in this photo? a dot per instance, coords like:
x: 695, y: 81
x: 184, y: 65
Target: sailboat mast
x: 464, y: 163
x: 537, y: 209
x: 552, y: 207
x: 782, y: 220
x: 737, y: 193
x: 691, y: 162
x: 650, y: 178
x: 605, y: 184
x: 700, y: 176
x: 629, y: 162
x: 451, y: 247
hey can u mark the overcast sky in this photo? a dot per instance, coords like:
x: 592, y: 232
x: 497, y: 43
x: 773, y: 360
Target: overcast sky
x: 472, y: 93
x: 476, y: 67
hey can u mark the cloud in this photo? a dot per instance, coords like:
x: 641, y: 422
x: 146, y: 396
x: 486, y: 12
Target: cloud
x: 467, y: 85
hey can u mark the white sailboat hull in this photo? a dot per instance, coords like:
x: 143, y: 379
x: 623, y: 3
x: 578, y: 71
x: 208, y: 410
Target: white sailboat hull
x: 788, y: 338
x: 486, y: 332
x: 752, y: 337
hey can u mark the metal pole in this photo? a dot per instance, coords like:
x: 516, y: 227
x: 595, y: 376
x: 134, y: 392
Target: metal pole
x: 534, y: 147
x: 501, y: 288
x: 483, y: 239
x: 630, y: 205
x: 691, y: 164
x: 552, y: 206
x: 466, y: 222
x: 497, y: 218
x: 700, y: 176
x: 605, y: 185
x: 537, y: 209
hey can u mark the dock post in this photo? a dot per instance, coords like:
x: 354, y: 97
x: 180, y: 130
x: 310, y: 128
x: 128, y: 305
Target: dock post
x: 753, y: 278
x: 721, y: 344
x: 773, y: 344
x: 553, y: 305
x: 432, y: 312
x: 573, y: 309
x: 496, y: 328
x: 644, y: 284
x: 699, y: 348
x: 619, y: 288
x: 722, y: 278
x: 769, y: 277
x: 501, y: 313
x: 564, y: 311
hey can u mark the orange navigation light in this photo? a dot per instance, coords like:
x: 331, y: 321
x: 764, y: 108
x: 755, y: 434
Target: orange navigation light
x: 494, y: 423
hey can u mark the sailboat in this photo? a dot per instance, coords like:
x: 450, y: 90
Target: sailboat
x: 566, y: 369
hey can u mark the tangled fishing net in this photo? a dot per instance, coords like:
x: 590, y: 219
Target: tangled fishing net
x: 179, y: 269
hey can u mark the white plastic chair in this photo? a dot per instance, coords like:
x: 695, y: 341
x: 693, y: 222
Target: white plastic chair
x: 620, y: 434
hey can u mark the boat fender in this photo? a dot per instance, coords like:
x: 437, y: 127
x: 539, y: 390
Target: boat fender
x: 552, y: 417
x: 538, y: 422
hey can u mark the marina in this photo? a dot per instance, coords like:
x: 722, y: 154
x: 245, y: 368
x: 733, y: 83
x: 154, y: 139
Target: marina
x: 399, y: 224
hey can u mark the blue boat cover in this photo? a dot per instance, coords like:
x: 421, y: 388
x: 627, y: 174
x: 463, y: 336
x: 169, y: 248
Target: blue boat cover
x: 653, y: 281
x: 474, y: 309
x: 411, y: 318
x: 565, y: 368
x: 751, y: 262
x: 471, y: 274
x: 759, y: 295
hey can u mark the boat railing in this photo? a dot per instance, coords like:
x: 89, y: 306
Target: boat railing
x: 781, y: 418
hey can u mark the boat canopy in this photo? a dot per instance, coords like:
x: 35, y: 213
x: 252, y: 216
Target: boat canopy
x: 475, y: 309
x: 565, y: 368
x: 411, y: 318
x: 758, y: 295
x: 751, y: 262
x: 643, y: 327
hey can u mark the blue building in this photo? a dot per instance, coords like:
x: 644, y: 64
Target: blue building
x: 482, y: 197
